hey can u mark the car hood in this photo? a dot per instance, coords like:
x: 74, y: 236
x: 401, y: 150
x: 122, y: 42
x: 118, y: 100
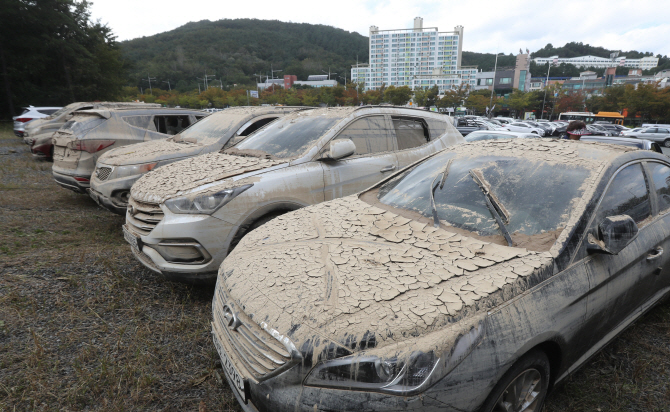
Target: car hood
x: 181, y: 177
x: 152, y: 151
x: 344, y: 270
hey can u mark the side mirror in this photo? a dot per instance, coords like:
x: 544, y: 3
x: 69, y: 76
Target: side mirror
x: 616, y: 232
x: 341, y: 148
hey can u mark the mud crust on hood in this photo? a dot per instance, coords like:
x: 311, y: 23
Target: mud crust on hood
x: 141, y: 152
x: 346, y: 268
x: 173, y: 179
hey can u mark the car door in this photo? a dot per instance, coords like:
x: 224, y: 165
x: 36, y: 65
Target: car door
x: 621, y: 283
x: 649, y: 133
x: 659, y: 176
x: 373, y: 160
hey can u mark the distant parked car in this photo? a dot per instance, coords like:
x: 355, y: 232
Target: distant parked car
x: 117, y: 169
x: 29, y: 114
x: 641, y: 144
x: 497, y: 135
x: 661, y: 135
x: 39, y: 133
x: 90, y: 133
x: 524, y: 128
x: 626, y: 132
x: 597, y: 130
x: 185, y: 217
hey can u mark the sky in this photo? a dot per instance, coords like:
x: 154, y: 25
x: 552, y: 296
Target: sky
x: 489, y: 26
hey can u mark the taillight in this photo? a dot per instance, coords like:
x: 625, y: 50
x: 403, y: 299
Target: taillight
x: 24, y: 119
x: 81, y: 179
x: 90, y: 146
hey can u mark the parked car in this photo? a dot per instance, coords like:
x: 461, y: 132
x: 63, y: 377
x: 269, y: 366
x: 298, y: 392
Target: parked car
x: 497, y: 135
x: 117, y: 169
x: 626, y: 132
x: 597, y: 130
x: 185, y: 217
x: 660, y: 135
x: 546, y: 126
x: 90, y: 133
x: 29, y: 114
x: 524, y: 128
x: 466, y: 126
x: 474, y: 280
x: 39, y: 133
x: 641, y: 144
x: 613, y: 129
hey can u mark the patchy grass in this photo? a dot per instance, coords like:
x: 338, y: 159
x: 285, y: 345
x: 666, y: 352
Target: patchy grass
x: 82, y: 325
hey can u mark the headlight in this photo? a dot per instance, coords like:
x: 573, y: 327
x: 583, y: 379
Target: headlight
x: 125, y: 171
x: 373, y: 373
x: 204, y: 204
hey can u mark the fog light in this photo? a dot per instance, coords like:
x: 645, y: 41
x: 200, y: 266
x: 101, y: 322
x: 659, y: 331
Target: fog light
x: 182, y: 252
x: 121, y: 197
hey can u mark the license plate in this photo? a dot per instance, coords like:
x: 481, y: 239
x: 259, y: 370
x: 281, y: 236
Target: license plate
x: 130, y: 238
x: 235, y: 379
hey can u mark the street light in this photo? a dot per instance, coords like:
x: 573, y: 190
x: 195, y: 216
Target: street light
x: 493, y: 87
x: 546, y: 83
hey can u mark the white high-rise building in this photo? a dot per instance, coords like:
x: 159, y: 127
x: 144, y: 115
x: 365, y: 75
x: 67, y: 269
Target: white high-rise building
x: 420, y: 57
x: 645, y: 63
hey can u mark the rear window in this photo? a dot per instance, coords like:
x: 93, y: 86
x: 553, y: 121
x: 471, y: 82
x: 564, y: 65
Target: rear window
x: 47, y: 112
x: 138, y: 121
x: 437, y: 127
x: 410, y: 132
x: 80, y: 125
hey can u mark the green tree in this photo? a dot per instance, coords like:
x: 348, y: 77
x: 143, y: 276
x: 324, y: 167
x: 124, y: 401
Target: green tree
x: 398, y: 96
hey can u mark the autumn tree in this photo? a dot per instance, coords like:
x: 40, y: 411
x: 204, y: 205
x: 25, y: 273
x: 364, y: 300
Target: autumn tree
x: 398, y: 96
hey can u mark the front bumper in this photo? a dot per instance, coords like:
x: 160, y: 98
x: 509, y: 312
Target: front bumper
x: 107, y: 203
x: 69, y: 182
x: 210, y: 235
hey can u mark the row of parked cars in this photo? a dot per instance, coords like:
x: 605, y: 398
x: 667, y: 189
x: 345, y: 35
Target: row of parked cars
x: 370, y: 258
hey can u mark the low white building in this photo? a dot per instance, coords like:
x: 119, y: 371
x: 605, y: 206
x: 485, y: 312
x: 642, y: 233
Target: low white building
x: 645, y: 63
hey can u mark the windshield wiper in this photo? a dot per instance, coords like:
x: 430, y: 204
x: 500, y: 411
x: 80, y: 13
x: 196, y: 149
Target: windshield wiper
x: 445, y: 172
x: 494, y: 206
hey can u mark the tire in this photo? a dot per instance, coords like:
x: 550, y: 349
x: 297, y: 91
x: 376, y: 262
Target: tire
x: 666, y: 143
x: 526, y: 381
x: 244, y: 229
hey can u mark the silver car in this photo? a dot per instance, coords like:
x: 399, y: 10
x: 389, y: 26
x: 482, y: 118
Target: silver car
x: 31, y: 114
x: 39, y: 133
x: 117, y: 170
x: 661, y: 135
x: 472, y: 281
x: 184, y: 218
x: 90, y: 133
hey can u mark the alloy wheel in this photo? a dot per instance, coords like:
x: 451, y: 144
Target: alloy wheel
x: 523, y: 394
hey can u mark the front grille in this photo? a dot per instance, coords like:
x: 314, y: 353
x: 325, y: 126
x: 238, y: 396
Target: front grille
x: 143, y: 217
x: 102, y: 173
x: 256, y: 350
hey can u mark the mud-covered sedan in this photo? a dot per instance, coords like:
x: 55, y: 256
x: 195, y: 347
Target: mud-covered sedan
x: 474, y: 280
x: 185, y: 217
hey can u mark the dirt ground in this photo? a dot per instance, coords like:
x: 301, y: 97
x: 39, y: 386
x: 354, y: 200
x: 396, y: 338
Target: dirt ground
x: 84, y: 327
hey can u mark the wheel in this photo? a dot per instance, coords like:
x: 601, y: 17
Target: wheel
x: 666, y: 143
x: 244, y: 229
x: 523, y: 388
x: 534, y: 132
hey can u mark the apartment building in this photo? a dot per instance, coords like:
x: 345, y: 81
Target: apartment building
x: 644, y: 63
x: 419, y: 57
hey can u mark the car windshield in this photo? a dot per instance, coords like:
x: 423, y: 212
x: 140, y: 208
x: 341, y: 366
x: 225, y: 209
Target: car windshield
x: 535, y: 195
x: 214, y: 127
x: 287, y: 137
x: 475, y: 136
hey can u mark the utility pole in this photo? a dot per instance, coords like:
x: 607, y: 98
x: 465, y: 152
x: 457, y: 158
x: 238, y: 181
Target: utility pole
x: 546, y: 84
x: 149, y: 78
x: 168, y: 83
x: 273, y: 72
x: 328, y: 72
x: 493, y: 86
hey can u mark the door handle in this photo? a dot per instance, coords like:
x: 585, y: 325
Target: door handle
x: 388, y: 168
x: 655, y: 254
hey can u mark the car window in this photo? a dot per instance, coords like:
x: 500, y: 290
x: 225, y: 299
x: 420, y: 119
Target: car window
x: 253, y: 125
x: 410, y: 132
x: 628, y: 194
x: 437, y: 127
x: 138, y: 121
x: 487, y: 136
x: 171, y: 124
x: 369, y: 134
x: 649, y: 131
x: 47, y: 111
x: 660, y: 175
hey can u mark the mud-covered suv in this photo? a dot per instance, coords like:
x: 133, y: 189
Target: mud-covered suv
x: 90, y: 133
x: 118, y: 169
x: 185, y: 217
x: 39, y: 133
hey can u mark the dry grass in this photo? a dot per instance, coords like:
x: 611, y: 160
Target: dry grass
x: 82, y: 325
x: 85, y: 327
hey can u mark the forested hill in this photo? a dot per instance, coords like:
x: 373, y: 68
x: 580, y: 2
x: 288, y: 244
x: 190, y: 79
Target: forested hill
x: 235, y: 50
x: 576, y: 49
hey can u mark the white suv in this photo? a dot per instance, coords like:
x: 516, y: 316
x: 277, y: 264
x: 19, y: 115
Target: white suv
x: 31, y: 113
